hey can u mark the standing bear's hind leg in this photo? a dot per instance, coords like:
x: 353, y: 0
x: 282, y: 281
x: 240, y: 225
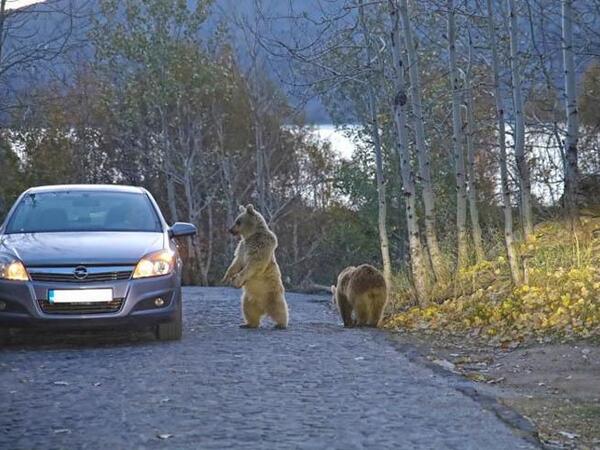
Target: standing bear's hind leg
x: 277, y: 309
x: 251, y: 311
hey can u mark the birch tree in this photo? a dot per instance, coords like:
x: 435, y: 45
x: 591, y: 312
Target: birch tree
x: 509, y: 238
x: 381, y: 200
x: 259, y: 104
x: 519, y: 138
x: 351, y: 75
x: 470, y: 134
x: 423, y: 155
x: 407, y: 174
x: 572, y: 135
x: 553, y: 112
x: 457, y: 142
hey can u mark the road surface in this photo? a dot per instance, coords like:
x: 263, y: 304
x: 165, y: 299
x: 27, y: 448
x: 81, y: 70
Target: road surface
x: 313, y: 386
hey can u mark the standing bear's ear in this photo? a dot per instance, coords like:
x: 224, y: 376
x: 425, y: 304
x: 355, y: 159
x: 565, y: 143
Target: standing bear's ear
x: 250, y: 209
x: 242, y: 209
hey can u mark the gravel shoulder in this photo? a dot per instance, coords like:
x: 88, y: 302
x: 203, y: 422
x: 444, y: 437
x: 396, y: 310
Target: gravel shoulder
x: 315, y: 385
x: 556, y: 385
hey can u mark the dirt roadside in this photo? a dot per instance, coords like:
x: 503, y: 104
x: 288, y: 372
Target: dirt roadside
x: 555, y: 385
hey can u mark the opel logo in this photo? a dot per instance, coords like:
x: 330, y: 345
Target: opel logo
x: 80, y: 273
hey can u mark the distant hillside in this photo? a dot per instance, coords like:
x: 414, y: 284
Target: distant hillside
x: 48, y: 23
x: 68, y: 22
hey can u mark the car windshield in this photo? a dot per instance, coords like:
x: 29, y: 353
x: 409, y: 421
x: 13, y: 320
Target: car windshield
x: 84, y: 211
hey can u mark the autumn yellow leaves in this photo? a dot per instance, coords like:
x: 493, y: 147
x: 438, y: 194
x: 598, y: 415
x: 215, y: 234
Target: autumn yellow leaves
x: 560, y: 299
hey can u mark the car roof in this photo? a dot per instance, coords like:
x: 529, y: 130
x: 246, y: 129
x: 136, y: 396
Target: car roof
x: 86, y: 187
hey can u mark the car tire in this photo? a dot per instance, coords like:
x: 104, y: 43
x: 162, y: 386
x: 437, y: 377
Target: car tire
x: 171, y: 331
x: 5, y: 336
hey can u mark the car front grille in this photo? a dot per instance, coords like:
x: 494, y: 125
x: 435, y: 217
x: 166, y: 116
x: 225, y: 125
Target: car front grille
x: 81, y: 308
x: 67, y: 274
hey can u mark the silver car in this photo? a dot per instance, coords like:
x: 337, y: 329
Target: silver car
x: 84, y: 256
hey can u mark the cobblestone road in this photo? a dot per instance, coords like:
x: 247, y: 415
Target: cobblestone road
x: 315, y: 385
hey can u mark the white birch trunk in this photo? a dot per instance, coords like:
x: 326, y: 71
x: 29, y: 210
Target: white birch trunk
x: 381, y: 200
x: 509, y: 238
x: 260, y: 166
x: 457, y: 141
x: 171, y: 198
x: 520, y: 156
x: 423, y: 156
x: 419, y: 273
x: 168, y: 168
x: 571, y: 169
x: 472, y: 185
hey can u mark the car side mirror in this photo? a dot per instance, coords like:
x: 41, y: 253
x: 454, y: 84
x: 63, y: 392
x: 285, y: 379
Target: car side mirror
x: 181, y: 229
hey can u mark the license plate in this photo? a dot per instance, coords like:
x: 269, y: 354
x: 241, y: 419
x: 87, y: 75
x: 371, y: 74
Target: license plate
x: 80, y: 295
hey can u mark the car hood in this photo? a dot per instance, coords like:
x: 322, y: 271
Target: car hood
x: 81, y: 248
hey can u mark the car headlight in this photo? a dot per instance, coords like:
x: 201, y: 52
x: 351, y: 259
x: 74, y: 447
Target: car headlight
x: 155, y: 265
x: 12, y: 269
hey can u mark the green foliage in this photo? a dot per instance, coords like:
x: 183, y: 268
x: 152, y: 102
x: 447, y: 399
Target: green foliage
x: 351, y: 239
x: 164, y: 108
x: 12, y: 182
x: 159, y: 109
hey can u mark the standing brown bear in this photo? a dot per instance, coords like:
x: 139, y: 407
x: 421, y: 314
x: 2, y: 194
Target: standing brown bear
x: 255, y: 270
x: 360, y: 290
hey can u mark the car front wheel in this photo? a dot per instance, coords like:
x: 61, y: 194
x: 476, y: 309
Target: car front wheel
x: 171, y: 331
x: 4, y: 336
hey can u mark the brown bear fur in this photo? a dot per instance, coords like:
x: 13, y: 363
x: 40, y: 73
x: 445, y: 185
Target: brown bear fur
x: 360, y: 291
x: 255, y: 270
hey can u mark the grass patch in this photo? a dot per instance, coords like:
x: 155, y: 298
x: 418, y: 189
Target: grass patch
x: 561, y: 297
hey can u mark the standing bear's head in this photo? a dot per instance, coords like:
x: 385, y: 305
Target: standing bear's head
x: 248, y: 222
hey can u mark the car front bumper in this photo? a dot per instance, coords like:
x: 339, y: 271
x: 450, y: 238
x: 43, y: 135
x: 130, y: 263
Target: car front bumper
x: 22, y: 303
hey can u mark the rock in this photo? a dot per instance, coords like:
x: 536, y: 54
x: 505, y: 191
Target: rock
x: 568, y: 435
x: 445, y: 364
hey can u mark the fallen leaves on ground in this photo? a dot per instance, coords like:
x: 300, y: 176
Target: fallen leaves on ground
x: 560, y: 298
